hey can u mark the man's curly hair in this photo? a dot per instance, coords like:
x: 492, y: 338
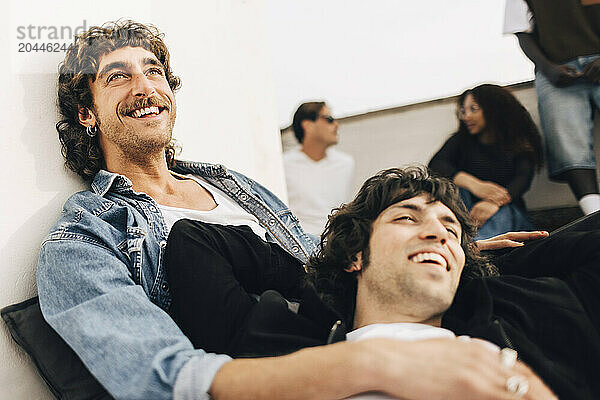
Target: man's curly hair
x: 82, y: 153
x: 349, y: 228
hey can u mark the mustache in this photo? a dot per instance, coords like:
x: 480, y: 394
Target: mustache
x: 145, y: 102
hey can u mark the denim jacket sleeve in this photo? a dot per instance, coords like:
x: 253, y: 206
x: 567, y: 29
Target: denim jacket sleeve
x: 130, y: 345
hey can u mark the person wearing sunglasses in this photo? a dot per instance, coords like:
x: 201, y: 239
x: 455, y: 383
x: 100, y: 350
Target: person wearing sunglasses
x: 318, y: 176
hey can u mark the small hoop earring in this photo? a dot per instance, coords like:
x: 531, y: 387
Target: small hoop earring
x: 91, y: 131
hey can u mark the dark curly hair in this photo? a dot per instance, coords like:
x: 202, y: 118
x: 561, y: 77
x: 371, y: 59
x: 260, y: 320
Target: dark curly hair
x: 82, y: 153
x: 306, y: 111
x: 348, y: 231
x: 507, y: 120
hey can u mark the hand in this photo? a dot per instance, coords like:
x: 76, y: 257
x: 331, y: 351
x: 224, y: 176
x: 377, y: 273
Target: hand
x: 561, y: 75
x: 482, y: 211
x: 445, y: 369
x: 591, y: 71
x: 509, y: 239
x: 492, y: 192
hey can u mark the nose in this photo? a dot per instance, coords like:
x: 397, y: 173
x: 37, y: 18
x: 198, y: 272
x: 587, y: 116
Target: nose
x: 142, y: 86
x: 433, y: 229
x: 466, y: 115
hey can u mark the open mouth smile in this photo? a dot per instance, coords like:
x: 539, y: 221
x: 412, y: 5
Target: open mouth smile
x: 430, y: 258
x: 146, y: 112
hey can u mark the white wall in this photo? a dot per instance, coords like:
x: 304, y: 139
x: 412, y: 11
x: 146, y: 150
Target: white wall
x: 371, y: 55
x: 226, y: 114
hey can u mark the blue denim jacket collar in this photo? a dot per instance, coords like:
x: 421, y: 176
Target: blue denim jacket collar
x: 240, y: 188
x: 282, y: 226
x: 104, y: 181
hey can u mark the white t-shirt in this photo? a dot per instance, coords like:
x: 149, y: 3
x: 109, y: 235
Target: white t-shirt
x: 316, y: 187
x: 227, y: 211
x: 403, y: 331
x: 517, y: 17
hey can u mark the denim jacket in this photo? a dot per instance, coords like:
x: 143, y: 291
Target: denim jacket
x: 102, y: 284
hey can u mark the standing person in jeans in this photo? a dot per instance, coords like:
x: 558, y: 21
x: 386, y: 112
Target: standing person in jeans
x: 492, y: 158
x: 562, y: 38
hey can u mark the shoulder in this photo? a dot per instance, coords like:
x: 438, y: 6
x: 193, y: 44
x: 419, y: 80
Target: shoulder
x: 458, y: 139
x: 85, y: 215
x: 84, y: 202
x: 340, y: 157
x: 293, y: 155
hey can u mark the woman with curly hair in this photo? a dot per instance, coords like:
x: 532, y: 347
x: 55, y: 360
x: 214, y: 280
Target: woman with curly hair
x: 492, y: 158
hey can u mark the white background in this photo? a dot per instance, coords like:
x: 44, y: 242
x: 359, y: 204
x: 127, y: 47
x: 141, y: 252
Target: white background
x: 371, y: 55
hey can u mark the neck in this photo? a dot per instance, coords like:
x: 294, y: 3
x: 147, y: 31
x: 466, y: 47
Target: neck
x: 149, y: 175
x: 315, y: 151
x: 486, y: 137
x: 374, y: 312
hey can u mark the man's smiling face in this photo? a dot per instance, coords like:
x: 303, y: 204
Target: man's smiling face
x: 134, y: 107
x: 415, y: 258
x: 324, y: 130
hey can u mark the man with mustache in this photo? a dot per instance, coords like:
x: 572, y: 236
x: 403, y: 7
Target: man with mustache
x: 101, y: 278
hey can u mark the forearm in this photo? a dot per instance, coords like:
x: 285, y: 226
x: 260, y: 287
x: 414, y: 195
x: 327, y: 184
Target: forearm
x: 401, y: 369
x: 524, y: 173
x: 532, y: 50
x: 465, y: 180
x: 95, y: 299
x: 517, y: 187
x: 559, y: 255
x: 327, y: 372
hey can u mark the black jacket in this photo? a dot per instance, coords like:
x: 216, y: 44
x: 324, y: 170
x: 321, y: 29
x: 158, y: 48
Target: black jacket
x: 545, y: 305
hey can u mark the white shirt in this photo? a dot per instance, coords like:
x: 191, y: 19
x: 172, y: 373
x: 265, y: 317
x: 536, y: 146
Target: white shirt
x: 517, y: 17
x: 403, y: 331
x: 316, y: 187
x: 400, y: 331
x: 227, y: 211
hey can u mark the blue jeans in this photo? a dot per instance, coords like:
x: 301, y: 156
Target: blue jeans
x: 509, y: 218
x: 566, y: 116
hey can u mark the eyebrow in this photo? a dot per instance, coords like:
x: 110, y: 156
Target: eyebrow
x: 125, y: 65
x: 111, y: 66
x: 445, y: 217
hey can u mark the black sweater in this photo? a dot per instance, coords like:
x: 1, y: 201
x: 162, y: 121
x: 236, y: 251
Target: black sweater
x: 545, y: 305
x: 464, y: 152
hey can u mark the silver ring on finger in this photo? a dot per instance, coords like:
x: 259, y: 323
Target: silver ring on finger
x: 508, y: 357
x: 517, y: 385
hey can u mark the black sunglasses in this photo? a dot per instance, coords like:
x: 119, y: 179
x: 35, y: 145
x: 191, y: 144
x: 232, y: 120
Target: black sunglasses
x: 327, y: 118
